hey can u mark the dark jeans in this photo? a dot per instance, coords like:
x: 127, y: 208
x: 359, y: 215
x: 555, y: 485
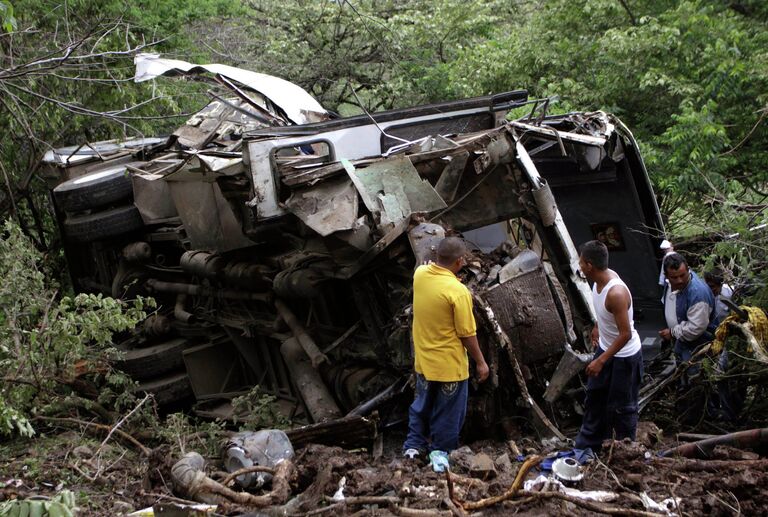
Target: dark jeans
x: 436, y: 415
x: 610, y: 408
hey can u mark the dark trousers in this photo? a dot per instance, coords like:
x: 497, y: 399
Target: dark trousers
x: 436, y: 415
x: 610, y: 408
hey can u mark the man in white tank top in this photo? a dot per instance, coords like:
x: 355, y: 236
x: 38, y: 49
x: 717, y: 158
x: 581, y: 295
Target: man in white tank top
x: 610, y: 407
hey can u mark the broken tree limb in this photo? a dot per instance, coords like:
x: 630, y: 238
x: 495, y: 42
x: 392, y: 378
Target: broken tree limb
x: 189, y: 479
x: 247, y: 470
x: 703, y: 448
x: 506, y: 344
x: 696, y: 465
x: 651, y: 392
x: 529, y: 463
x: 587, y: 504
x: 101, y: 427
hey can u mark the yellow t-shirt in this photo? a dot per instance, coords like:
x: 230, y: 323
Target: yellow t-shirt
x: 442, y: 313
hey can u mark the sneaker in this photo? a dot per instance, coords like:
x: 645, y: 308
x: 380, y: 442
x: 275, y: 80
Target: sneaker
x: 439, y: 461
x: 411, y: 454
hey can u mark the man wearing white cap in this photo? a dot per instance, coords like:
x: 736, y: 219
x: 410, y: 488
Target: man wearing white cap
x: 667, y: 248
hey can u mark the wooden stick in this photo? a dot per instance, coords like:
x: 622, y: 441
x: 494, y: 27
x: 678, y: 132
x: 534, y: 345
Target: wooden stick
x: 247, y: 470
x: 694, y: 465
x: 101, y: 427
x: 529, y: 463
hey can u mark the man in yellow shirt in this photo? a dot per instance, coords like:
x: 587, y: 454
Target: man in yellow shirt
x: 444, y: 331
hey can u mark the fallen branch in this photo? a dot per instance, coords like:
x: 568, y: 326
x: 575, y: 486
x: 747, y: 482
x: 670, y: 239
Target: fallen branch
x: 246, y: 470
x: 703, y: 448
x: 529, y: 463
x: 189, y: 478
x: 101, y: 427
x: 120, y: 422
x: 695, y: 465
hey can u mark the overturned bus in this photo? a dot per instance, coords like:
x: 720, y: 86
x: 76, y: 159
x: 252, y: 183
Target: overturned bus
x: 280, y: 244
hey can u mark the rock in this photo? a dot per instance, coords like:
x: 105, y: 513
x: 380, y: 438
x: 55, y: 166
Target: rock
x: 503, y: 463
x: 82, y: 451
x: 121, y: 508
x: 648, y: 433
x: 482, y: 467
x: 461, y: 457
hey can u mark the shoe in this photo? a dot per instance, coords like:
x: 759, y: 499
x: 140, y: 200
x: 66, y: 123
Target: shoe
x: 439, y: 461
x: 411, y: 454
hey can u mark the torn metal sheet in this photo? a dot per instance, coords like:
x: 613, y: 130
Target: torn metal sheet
x: 398, y: 178
x: 449, y: 180
x: 208, y: 218
x: 225, y: 165
x: 66, y: 156
x: 296, y: 102
x: 560, y: 135
x: 326, y: 208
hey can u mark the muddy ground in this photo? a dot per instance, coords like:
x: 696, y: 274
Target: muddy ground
x: 115, y: 479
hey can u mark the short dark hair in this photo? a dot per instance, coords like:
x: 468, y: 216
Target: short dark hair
x: 674, y: 261
x: 596, y: 253
x: 714, y: 276
x: 450, y: 250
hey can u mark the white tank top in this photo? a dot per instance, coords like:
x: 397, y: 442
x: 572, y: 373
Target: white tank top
x: 606, y: 323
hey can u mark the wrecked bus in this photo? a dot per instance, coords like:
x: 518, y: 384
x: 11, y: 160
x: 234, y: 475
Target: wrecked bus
x: 280, y: 245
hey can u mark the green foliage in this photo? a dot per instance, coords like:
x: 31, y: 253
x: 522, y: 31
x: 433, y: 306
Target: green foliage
x: 185, y: 434
x: 60, y: 505
x: 45, y: 340
x: 7, y: 19
x: 258, y: 410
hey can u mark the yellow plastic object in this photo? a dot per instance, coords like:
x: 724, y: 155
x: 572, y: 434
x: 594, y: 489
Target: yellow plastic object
x: 757, y: 324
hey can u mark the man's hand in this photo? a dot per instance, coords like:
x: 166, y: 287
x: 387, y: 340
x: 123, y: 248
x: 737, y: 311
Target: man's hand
x: 595, y: 367
x: 483, y: 371
x: 595, y: 336
x: 666, y: 334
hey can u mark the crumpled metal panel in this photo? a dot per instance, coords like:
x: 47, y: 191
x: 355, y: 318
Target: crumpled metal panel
x: 208, y: 218
x: 326, y: 208
x: 393, y: 189
x: 296, y: 102
x: 525, y: 310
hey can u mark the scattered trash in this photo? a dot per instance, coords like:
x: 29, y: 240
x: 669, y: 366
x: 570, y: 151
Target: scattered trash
x: 339, y: 494
x: 548, y: 484
x: 567, y: 470
x: 439, y: 461
x: 666, y: 506
x: 178, y: 509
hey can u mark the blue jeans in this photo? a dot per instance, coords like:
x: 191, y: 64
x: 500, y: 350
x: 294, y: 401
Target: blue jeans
x: 610, y: 408
x: 436, y: 415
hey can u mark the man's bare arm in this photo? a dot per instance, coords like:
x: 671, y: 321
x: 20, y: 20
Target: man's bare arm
x: 473, y: 347
x: 617, y: 302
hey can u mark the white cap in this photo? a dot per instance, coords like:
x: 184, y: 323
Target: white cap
x: 665, y: 245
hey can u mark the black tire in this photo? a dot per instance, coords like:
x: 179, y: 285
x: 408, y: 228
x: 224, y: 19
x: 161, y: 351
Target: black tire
x: 94, y: 190
x: 169, y: 388
x: 145, y: 363
x: 100, y: 225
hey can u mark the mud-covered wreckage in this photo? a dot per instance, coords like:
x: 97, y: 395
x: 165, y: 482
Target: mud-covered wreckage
x: 280, y: 245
